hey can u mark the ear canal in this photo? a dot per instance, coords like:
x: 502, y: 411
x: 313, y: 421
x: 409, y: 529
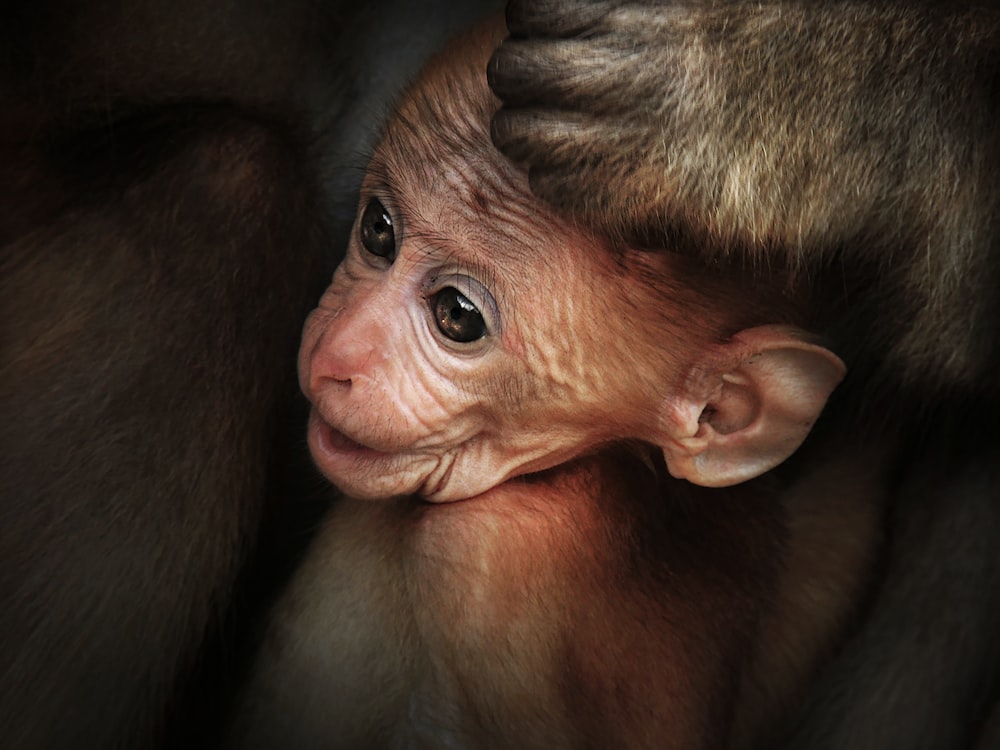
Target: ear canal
x: 760, y: 411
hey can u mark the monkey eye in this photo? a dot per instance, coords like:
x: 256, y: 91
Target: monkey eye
x: 457, y: 318
x: 376, y: 231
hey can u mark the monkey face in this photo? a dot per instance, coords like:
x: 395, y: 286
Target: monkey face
x: 441, y: 362
x: 390, y: 361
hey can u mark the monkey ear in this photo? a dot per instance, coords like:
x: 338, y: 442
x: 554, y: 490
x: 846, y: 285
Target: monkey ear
x: 754, y: 411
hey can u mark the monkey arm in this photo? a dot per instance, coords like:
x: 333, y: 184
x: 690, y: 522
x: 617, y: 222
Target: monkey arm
x: 758, y: 124
x: 778, y: 132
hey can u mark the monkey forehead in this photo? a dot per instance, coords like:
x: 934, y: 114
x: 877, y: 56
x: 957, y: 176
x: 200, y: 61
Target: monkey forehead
x: 466, y: 195
x: 437, y: 151
x: 449, y: 105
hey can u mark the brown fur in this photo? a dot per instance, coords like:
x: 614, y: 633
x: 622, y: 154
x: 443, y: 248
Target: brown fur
x: 592, y: 605
x: 140, y: 413
x: 439, y: 130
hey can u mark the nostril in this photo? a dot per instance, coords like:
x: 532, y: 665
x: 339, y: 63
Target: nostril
x: 334, y: 382
x: 338, y: 359
x: 325, y: 383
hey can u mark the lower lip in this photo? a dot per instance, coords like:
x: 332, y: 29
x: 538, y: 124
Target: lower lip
x: 332, y: 450
x: 338, y: 441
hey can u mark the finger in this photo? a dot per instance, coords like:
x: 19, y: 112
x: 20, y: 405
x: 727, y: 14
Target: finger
x: 548, y: 139
x: 575, y: 74
x: 554, y: 18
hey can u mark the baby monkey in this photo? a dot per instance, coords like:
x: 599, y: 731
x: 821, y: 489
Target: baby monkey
x: 471, y: 335
x: 475, y: 347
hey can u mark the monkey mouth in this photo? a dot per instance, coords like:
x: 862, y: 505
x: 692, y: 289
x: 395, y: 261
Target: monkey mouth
x: 356, y: 468
x: 339, y: 441
x: 336, y: 454
x: 330, y: 439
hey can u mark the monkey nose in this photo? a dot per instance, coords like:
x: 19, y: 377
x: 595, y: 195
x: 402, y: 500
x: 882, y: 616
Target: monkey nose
x: 330, y: 375
x: 329, y: 390
x: 337, y: 363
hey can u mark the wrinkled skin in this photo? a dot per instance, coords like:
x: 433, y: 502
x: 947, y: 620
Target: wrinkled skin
x: 471, y: 335
x: 399, y: 409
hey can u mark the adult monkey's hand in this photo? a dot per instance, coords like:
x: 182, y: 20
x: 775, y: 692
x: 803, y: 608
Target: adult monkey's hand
x: 777, y: 131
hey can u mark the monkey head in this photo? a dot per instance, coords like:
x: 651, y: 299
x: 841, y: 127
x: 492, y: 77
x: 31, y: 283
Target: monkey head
x: 472, y: 335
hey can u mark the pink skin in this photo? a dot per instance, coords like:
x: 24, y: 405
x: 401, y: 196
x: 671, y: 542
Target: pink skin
x: 400, y: 409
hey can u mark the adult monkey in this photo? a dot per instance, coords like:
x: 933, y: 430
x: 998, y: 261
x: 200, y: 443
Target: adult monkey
x: 163, y: 231
x: 856, y: 144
